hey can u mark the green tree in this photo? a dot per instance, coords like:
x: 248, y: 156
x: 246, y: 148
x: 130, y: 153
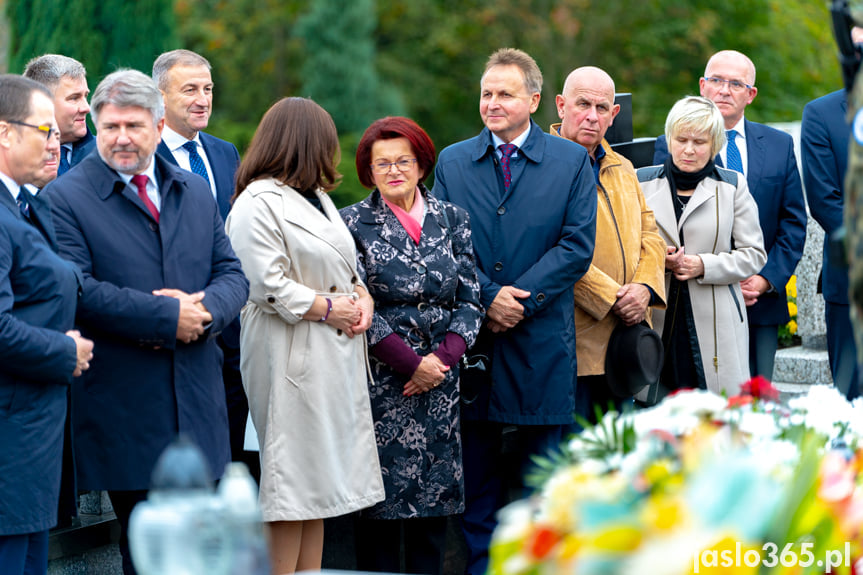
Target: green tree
x: 103, y: 35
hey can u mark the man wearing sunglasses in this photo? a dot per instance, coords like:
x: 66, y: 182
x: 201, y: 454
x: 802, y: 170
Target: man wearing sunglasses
x: 766, y: 157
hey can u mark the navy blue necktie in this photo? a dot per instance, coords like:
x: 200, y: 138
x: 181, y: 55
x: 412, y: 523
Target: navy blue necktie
x: 506, y: 150
x: 196, y: 161
x: 732, y: 153
x: 64, y: 163
x: 24, y: 206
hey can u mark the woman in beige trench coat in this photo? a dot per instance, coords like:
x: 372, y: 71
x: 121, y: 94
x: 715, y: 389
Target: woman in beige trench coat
x: 303, y: 346
x: 709, y: 222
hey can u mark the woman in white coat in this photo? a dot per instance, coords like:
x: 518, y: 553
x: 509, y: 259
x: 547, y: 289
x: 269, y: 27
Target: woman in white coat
x: 302, y: 343
x: 709, y: 221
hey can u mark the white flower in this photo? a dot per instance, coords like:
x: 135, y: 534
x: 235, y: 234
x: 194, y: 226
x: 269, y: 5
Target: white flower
x: 825, y: 409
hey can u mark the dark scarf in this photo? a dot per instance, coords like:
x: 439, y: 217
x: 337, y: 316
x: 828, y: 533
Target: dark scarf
x: 686, y: 180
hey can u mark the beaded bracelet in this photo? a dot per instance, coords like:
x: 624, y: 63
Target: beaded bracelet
x: 329, y: 309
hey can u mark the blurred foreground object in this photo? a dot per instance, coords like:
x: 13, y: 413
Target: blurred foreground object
x: 187, y: 528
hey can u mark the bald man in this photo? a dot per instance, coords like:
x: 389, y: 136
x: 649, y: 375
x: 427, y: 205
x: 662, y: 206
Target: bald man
x: 766, y: 157
x: 626, y: 275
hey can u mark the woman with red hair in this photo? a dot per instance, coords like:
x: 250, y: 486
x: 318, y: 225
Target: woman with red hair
x: 415, y: 254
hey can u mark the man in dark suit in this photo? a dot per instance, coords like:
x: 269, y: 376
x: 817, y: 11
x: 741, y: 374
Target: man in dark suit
x: 186, y: 84
x: 67, y: 79
x: 766, y: 157
x: 160, y: 282
x: 824, y: 149
x: 39, y: 352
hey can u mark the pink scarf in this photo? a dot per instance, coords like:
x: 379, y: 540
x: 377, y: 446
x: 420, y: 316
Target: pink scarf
x: 412, y: 220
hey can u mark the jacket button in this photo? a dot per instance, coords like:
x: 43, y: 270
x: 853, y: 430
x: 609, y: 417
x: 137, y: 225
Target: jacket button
x: 338, y: 332
x: 354, y: 280
x: 498, y: 266
x: 540, y: 297
x: 421, y: 269
x: 271, y: 299
x: 332, y: 289
x: 422, y: 306
x: 501, y: 211
x: 424, y: 345
x: 153, y: 226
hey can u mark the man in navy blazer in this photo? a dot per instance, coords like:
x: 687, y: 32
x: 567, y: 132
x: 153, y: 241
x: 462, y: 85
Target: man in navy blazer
x: 184, y: 79
x: 186, y: 84
x: 531, y: 198
x: 824, y: 149
x: 67, y: 80
x: 160, y: 282
x: 767, y: 158
x: 39, y: 351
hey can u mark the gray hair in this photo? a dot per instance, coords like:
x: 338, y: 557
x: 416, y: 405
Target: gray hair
x: 698, y: 115
x: 49, y: 69
x: 126, y: 88
x: 16, y: 96
x: 166, y: 61
x: 527, y: 65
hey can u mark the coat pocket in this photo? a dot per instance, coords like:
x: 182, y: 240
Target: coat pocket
x: 297, y: 352
x: 736, y: 301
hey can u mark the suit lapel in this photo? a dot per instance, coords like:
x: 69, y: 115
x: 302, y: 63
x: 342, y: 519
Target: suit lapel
x: 663, y: 211
x: 756, y: 157
x: 40, y: 216
x: 224, y: 185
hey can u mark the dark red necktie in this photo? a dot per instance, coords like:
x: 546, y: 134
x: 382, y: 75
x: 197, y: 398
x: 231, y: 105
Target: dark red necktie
x: 506, y: 150
x: 140, y: 181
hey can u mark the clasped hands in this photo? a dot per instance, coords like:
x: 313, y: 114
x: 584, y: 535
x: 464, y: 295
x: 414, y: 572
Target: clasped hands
x: 752, y: 287
x: 683, y: 266
x: 193, y: 315
x: 83, y: 350
x: 352, y: 315
x: 632, y: 302
x: 506, y: 311
x: 429, y: 374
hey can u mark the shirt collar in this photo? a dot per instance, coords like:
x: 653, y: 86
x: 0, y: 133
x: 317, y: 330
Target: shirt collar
x: 518, y: 141
x: 175, y: 141
x: 740, y: 128
x: 11, y: 185
x: 150, y: 172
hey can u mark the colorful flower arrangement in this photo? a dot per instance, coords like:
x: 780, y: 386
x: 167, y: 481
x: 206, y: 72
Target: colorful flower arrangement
x: 698, y: 484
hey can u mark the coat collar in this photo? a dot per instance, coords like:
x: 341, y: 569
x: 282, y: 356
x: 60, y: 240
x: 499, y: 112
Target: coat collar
x: 373, y: 211
x: 533, y: 148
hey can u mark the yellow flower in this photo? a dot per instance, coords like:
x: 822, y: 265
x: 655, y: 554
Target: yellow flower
x: 792, y: 327
x: 791, y: 287
x: 792, y: 309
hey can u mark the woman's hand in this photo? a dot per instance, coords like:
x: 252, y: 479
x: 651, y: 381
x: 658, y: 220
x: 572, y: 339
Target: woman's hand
x: 673, y: 257
x: 689, y: 267
x: 428, y: 375
x: 366, y: 305
x: 345, y: 315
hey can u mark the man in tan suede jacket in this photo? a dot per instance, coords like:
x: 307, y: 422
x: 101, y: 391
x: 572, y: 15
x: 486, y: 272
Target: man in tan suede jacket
x: 626, y: 276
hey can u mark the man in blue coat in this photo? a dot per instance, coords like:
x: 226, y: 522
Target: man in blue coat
x: 186, y: 84
x: 766, y: 157
x: 532, y: 203
x: 824, y: 150
x: 39, y: 352
x: 160, y: 282
x: 67, y: 80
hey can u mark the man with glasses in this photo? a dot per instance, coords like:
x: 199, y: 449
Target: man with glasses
x: 532, y: 204
x: 39, y: 351
x: 766, y: 157
x: 67, y: 80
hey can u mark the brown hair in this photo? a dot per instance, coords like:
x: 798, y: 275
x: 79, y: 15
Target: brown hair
x: 295, y: 143
x: 390, y: 128
x: 522, y: 60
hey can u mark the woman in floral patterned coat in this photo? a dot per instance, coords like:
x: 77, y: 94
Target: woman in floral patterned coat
x: 415, y: 255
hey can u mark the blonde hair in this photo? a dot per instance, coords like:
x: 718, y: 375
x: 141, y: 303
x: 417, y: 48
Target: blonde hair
x: 697, y: 115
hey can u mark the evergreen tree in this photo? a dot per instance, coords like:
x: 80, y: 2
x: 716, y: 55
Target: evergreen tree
x: 102, y: 34
x: 339, y: 70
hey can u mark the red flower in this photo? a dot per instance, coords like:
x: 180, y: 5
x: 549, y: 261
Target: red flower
x: 759, y: 388
x: 542, y: 541
x: 740, y: 400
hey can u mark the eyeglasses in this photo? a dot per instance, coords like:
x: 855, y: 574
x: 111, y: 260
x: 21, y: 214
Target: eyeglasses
x: 402, y: 165
x: 733, y: 85
x: 48, y: 131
